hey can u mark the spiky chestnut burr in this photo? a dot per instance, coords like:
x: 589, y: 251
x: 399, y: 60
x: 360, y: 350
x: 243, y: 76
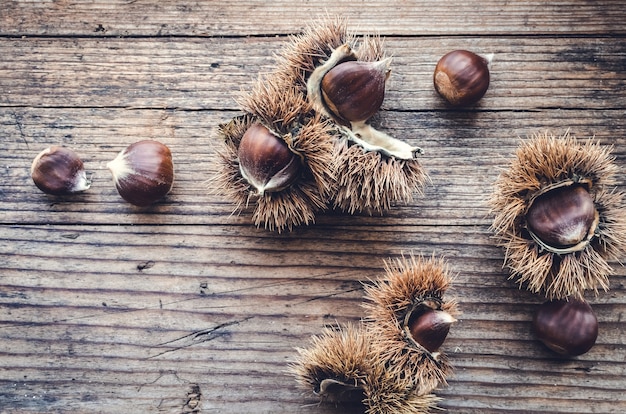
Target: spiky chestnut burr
x: 339, y: 366
x: 277, y: 155
x: 558, y: 216
x: 335, y: 365
x: 373, y: 169
x: 408, y: 319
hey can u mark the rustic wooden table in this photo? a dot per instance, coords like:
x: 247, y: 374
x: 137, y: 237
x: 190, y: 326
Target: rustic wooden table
x: 183, y: 307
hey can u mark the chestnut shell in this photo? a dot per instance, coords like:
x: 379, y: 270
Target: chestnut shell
x: 430, y: 328
x: 461, y: 77
x: 143, y: 172
x: 568, y: 327
x: 562, y: 217
x: 266, y: 161
x: 354, y: 91
x: 59, y: 171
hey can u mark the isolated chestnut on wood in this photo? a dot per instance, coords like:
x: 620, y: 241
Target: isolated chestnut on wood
x: 59, y: 171
x: 462, y: 77
x: 563, y: 219
x: 568, y: 327
x: 266, y: 161
x: 143, y: 172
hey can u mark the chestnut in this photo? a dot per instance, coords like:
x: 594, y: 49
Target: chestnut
x: 568, y: 327
x: 430, y: 328
x: 59, y: 171
x: 562, y: 219
x: 266, y: 161
x: 462, y: 77
x: 354, y: 91
x: 143, y: 172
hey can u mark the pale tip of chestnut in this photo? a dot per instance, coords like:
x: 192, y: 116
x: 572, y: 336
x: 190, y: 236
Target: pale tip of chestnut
x: 567, y: 327
x: 430, y: 328
x: 143, y: 172
x: 462, y: 77
x: 59, y: 171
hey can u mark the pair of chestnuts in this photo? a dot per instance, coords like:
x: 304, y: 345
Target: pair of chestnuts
x: 142, y: 173
x: 559, y: 217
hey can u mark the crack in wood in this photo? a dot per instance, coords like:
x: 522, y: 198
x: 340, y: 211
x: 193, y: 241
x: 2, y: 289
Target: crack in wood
x: 197, y: 337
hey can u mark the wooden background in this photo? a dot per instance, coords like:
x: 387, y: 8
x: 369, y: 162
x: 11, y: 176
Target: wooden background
x: 185, y: 308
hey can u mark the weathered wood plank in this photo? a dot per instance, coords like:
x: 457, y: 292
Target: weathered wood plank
x: 257, y: 17
x: 90, y: 324
x: 464, y: 155
x: 184, y: 308
x: 180, y: 73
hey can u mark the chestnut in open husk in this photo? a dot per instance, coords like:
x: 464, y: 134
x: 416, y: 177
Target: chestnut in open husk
x: 266, y: 161
x: 568, y: 327
x: 277, y: 155
x: 409, y: 320
x: 344, y: 79
x: 339, y: 366
x: 557, y: 214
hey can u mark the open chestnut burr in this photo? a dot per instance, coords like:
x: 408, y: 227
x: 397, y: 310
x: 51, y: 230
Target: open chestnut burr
x: 391, y: 361
x: 339, y: 366
x: 344, y: 79
x: 558, y: 216
x: 408, y: 321
x: 277, y: 155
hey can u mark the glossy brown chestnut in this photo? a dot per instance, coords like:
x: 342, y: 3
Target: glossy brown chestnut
x: 143, y: 172
x: 430, y: 328
x: 568, y: 327
x: 562, y: 217
x: 462, y: 77
x: 266, y: 161
x: 354, y: 91
x: 58, y: 171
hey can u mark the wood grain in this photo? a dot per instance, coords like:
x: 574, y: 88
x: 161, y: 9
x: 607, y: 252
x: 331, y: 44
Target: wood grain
x: 257, y: 17
x: 185, y: 307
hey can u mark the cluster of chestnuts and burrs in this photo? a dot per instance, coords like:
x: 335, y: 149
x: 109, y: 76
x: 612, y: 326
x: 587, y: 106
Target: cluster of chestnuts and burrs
x: 319, y: 150
x: 391, y: 361
x: 334, y: 83
x: 143, y: 172
x: 557, y: 214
